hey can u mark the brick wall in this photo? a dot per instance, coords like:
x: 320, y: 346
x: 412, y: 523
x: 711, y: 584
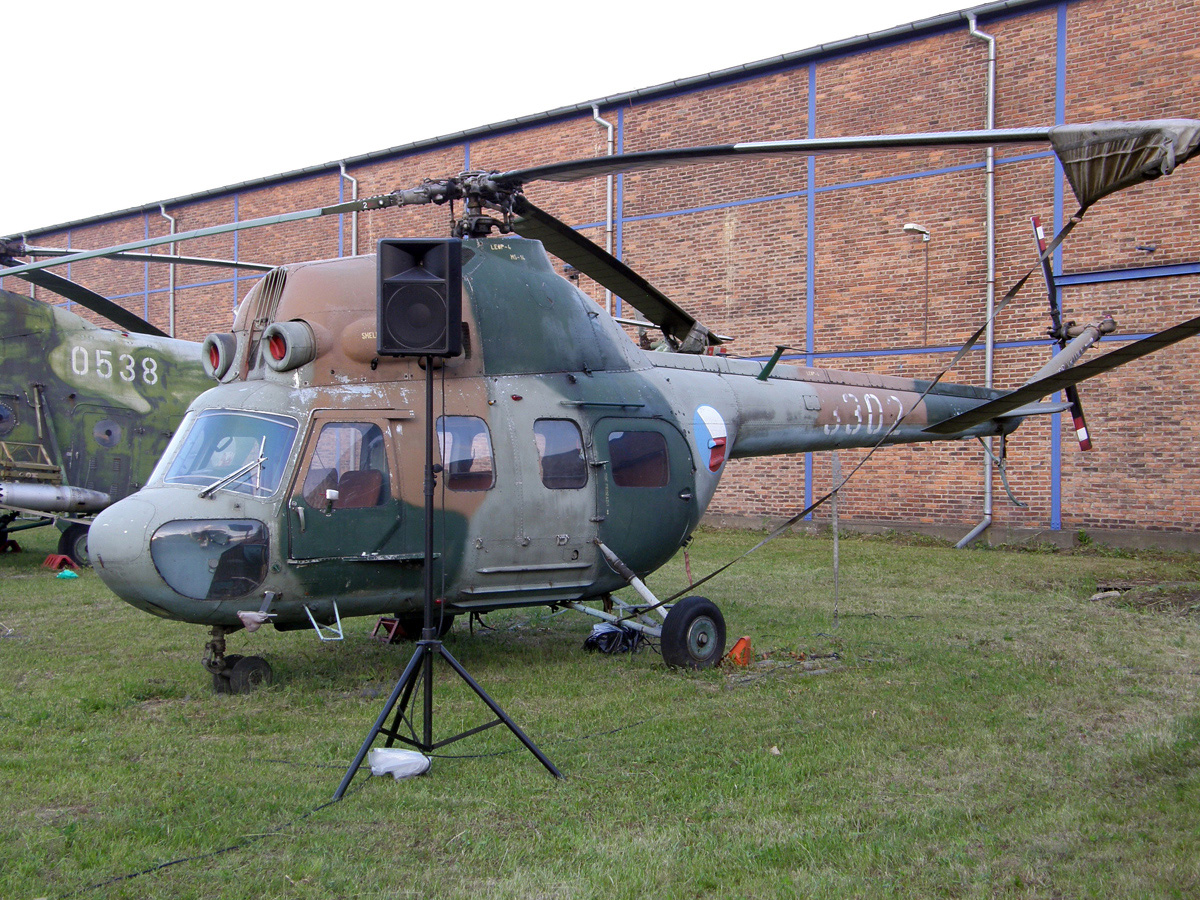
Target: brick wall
x: 731, y: 242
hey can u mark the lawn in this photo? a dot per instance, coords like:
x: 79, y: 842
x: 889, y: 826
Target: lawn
x: 960, y: 724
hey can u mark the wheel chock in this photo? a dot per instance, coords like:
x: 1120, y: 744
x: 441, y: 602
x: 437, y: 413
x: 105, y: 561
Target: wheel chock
x: 10, y: 546
x: 740, y: 655
x: 386, y: 630
x: 57, y: 561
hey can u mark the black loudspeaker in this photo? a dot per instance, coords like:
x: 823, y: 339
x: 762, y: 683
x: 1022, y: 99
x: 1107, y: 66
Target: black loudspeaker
x: 420, y: 298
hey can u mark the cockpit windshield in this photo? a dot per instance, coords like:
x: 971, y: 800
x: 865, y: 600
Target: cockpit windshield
x: 234, y: 451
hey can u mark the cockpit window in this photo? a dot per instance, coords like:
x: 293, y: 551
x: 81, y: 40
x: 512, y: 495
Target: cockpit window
x: 236, y: 451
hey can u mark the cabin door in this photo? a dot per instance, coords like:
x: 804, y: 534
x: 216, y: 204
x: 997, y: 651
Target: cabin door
x: 345, y: 500
x: 647, y: 500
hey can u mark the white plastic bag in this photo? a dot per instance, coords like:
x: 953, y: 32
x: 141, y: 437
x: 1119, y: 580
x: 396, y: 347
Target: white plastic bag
x: 397, y: 763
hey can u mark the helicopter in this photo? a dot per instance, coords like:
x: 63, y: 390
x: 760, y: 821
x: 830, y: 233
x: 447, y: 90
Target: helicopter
x: 572, y: 462
x: 85, y: 411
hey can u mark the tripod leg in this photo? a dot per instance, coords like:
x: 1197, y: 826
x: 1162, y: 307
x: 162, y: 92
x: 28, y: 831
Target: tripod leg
x: 500, y: 713
x: 402, y: 708
x: 409, y: 673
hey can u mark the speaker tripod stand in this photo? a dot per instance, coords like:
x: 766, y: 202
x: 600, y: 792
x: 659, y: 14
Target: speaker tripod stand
x: 420, y: 666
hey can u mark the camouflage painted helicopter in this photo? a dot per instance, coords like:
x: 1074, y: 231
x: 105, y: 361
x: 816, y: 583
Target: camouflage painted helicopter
x: 572, y: 462
x: 85, y: 411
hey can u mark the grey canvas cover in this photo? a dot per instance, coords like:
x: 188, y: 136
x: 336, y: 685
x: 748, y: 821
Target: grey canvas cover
x: 1102, y: 157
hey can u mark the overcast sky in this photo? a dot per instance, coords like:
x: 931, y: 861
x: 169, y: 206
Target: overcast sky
x: 114, y: 105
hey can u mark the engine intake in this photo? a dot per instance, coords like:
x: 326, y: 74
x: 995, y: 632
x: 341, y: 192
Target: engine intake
x: 289, y: 345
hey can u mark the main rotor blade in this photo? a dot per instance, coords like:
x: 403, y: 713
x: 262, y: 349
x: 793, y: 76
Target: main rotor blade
x: 155, y: 258
x: 89, y: 299
x: 575, y: 170
x: 571, y: 247
x: 1056, y: 382
x: 1097, y: 158
x: 351, y: 206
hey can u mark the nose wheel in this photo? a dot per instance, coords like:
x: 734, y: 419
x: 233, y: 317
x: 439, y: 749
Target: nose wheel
x: 247, y: 673
x: 234, y: 674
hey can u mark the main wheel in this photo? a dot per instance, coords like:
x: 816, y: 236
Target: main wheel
x: 693, y: 635
x: 73, y: 543
x: 221, y: 679
x: 249, y: 673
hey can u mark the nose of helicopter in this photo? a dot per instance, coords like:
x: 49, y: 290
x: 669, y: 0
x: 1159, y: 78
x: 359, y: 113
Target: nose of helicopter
x: 164, y: 564
x: 118, y: 533
x: 119, y: 548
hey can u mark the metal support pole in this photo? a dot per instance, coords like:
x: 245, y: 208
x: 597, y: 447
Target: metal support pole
x: 428, y: 633
x: 990, y: 340
x: 171, y: 276
x: 837, y: 483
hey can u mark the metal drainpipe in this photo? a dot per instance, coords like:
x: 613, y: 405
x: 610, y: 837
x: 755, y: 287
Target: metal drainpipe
x: 162, y: 210
x: 354, y: 215
x: 608, y: 208
x: 990, y: 340
x: 33, y: 288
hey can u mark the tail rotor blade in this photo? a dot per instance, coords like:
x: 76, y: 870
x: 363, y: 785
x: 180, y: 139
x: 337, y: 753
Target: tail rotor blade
x: 1081, y: 429
x: 1039, y: 237
x: 1059, y: 334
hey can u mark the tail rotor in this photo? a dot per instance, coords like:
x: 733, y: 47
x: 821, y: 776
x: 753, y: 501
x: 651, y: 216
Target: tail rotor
x: 1061, y: 333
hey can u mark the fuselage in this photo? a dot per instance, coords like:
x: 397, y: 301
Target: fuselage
x: 85, y: 412
x: 292, y: 490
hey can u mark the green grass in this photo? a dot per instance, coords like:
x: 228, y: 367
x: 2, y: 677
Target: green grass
x: 970, y: 725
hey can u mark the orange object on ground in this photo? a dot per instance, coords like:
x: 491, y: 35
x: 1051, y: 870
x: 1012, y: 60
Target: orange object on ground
x: 58, y: 561
x: 740, y: 655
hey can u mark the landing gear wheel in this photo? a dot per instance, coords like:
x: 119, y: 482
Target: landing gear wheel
x: 693, y: 635
x: 248, y: 674
x: 73, y: 543
x: 221, y: 679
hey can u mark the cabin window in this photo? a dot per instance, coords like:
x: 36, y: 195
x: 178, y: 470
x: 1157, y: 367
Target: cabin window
x: 560, y: 453
x: 639, y: 459
x: 349, y: 468
x: 233, y: 450
x: 466, y: 448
